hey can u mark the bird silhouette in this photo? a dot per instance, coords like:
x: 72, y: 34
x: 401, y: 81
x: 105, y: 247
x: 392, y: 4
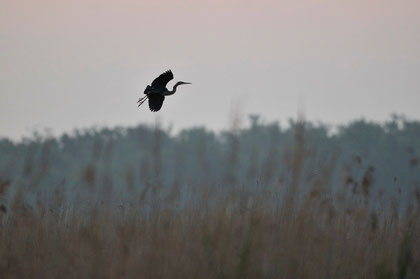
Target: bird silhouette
x: 156, y: 92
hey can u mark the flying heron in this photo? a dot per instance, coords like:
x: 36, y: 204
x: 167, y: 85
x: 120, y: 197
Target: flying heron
x: 157, y: 91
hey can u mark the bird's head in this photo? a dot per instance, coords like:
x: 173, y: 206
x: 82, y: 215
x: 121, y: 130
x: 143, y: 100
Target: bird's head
x: 182, y: 82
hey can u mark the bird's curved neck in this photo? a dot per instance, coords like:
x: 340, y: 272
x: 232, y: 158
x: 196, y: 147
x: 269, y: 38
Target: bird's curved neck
x: 173, y: 90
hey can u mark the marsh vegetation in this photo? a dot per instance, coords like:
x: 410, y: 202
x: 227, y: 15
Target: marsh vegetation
x: 260, y: 201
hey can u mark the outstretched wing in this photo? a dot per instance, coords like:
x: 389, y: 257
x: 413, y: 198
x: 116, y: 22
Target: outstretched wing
x: 155, y: 102
x: 162, y: 80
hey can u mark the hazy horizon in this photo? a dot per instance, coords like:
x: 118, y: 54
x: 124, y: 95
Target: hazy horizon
x: 85, y: 63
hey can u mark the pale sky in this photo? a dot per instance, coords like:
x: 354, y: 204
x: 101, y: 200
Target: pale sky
x: 77, y: 64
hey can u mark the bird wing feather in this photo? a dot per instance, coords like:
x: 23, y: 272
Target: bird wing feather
x: 155, y: 102
x: 163, y: 79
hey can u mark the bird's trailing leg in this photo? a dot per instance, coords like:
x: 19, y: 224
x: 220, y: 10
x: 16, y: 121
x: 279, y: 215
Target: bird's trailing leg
x: 142, y: 100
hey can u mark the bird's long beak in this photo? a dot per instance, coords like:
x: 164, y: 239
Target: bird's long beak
x: 183, y: 82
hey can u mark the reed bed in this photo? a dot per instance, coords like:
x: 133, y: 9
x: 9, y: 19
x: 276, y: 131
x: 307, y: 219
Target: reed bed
x: 218, y: 229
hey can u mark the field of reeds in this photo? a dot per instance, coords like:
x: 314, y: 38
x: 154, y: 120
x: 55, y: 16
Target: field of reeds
x: 260, y: 202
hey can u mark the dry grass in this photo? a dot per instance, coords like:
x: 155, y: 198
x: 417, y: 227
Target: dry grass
x: 238, y: 235
x: 250, y: 243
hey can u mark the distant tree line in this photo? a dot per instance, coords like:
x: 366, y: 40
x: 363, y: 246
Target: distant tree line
x: 149, y: 163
